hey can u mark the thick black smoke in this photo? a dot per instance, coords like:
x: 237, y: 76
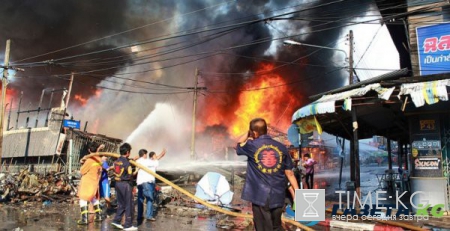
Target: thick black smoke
x: 38, y: 27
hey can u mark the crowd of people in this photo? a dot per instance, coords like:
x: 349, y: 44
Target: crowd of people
x: 94, y: 185
x: 271, y: 173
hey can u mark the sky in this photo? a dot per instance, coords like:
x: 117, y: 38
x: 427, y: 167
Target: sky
x: 134, y: 62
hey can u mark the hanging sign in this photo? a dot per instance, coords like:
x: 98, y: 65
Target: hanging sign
x: 75, y: 124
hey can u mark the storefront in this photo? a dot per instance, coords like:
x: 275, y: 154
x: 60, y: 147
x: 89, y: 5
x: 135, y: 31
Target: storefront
x: 430, y: 137
x: 414, y: 111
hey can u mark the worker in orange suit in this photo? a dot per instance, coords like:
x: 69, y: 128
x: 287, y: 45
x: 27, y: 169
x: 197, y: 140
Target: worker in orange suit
x: 90, y: 176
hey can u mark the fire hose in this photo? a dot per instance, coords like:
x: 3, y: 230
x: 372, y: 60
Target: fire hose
x: 214, y: 207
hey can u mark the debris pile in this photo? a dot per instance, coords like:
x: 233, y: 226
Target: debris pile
x: 27, y: 186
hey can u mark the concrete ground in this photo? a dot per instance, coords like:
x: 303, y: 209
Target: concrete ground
x: 183, y: 214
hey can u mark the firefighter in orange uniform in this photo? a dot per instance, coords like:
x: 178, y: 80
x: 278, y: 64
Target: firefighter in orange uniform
x: 88, y: 190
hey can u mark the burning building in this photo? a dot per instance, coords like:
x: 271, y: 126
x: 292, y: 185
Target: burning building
x: 46, y: 147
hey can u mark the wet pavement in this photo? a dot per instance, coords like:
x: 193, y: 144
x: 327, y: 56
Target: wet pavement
x: 63, y: 216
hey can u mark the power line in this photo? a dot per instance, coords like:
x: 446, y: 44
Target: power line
x: 123, y: 32
x: 215, y: 54
x: 358, y: 22
x: 240, y: 24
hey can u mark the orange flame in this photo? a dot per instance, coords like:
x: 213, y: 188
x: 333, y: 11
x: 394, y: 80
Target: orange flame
x: 98, y: 93
x: 271, y: 101
x: 80, y: 99
x: 10, y: 93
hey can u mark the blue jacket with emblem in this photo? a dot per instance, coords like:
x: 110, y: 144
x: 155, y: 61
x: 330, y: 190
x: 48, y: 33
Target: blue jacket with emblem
x: 266, y: 180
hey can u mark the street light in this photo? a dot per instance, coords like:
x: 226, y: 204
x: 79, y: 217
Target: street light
x: 291, y: 42
x: 350, y: 60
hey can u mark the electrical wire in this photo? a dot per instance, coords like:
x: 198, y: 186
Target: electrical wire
x: 358, y: 23
x: 123, y: 32
x: 240, y: 24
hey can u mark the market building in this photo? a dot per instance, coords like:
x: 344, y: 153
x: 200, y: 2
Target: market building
x: 409, y: 106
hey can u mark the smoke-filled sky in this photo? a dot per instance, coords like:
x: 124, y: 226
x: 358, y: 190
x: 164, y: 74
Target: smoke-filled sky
x: 134, y: 62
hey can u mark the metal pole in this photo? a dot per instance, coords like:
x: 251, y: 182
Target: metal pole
x: 70, y: 156
x: 65, y: 110
x: 9, y: 115
x: 300, y: 159
x: 400, y: 153
x: 356, y: 152
x: 406, y: 157
x: 355, y: 123
x: 27, y: 120
x: 4, y: 85
x: 350, y: 57
x: 18, y: 110
x: 389, y: 149
x: 49, y: 107
x: 193, y: 115
x: 342, y: 161
x: 352, y: 160
x: 39, y: 108
x: 70, y: 90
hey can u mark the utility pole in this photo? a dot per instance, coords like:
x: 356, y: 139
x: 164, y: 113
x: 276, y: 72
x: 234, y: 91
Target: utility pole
x: 72, y: 76
x: 70, y: 151
x: 356, y: 171
x: 4, y: 85
x: 350, y: 57
x: 193, y: 115
x: 196, y: 89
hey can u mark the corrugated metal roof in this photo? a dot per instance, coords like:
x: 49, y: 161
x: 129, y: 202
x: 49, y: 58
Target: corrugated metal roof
x: 388, y: 76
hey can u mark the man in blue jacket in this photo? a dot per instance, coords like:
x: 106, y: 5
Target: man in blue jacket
x: 268, y: 166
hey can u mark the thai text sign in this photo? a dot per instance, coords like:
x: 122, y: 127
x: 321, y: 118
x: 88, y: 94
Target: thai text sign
x: 426, y: 144
x: 71, y: 124
x: 433, y: 43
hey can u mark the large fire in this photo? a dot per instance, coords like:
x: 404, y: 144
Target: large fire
x: 266, y: 95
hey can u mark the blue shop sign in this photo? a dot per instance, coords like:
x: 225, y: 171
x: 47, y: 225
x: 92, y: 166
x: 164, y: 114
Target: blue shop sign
x: 433, y: 46
x: 71, y: 124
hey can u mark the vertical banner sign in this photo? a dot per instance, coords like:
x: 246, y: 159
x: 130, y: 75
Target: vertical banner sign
x: 62, y: 138
x: 433, y: 48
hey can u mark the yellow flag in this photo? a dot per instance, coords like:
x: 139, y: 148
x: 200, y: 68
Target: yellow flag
x: 308, y: 125
x: 318, y: 127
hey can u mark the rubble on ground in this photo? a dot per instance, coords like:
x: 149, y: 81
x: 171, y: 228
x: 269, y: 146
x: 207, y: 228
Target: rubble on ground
x: 27, y: 186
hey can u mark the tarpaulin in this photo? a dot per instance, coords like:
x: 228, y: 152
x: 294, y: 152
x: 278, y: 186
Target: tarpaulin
x: 426, y: 92
x: 326, y: 104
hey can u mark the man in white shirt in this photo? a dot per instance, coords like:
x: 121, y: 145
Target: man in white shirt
x: 146, y: 183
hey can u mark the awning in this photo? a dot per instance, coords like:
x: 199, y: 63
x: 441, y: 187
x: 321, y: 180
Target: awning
x: 382, y: 103
x: 326, y: 104
x: 426, y: 92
